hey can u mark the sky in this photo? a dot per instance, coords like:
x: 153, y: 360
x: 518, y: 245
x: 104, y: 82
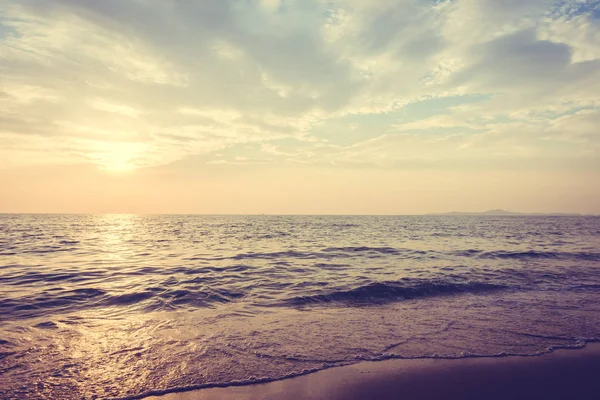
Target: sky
x: 299, y: 106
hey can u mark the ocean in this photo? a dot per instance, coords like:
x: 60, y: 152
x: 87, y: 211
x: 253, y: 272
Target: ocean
x: 124, y: 306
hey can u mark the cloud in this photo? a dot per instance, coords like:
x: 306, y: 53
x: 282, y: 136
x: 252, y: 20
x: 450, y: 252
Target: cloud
x: 144, y: 84
x: 581, y: 127
x: 106, y: 105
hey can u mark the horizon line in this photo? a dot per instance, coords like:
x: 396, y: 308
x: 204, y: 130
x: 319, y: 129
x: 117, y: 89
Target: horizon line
x: 451, y: 213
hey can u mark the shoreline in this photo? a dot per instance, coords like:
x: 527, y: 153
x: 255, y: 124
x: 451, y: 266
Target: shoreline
x: 560, y: 374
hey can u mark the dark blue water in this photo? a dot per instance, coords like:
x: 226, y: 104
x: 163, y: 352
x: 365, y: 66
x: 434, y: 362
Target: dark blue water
x: 123, y: 305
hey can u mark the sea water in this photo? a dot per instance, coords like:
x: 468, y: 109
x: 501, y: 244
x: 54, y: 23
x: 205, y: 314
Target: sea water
x: 122, y: 306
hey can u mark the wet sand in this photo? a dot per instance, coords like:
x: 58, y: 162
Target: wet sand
x: 563, y: 374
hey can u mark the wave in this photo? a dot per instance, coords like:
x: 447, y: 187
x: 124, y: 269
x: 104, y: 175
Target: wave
x: 46, y: 304
x: 32, y: 277
x: 361, y: 249
x: 265, y: 256
x: 531, y: 254
x: 576, y: 344
x: 325, y: 253
x: 381, y: 292
x: 358, y: 251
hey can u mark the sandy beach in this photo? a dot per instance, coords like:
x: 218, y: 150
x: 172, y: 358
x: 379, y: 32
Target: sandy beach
x: 563, y: 374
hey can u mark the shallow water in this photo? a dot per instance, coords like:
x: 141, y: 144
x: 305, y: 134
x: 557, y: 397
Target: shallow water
x: 123, y: 305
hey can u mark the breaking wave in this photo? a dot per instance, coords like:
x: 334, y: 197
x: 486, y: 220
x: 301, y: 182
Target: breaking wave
x: 381, y: 292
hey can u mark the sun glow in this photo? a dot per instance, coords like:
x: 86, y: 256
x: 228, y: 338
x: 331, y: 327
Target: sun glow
x: 120, y: 157
x: 119, y: 167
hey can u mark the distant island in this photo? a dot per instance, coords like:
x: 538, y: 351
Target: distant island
x: 503, y: 212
